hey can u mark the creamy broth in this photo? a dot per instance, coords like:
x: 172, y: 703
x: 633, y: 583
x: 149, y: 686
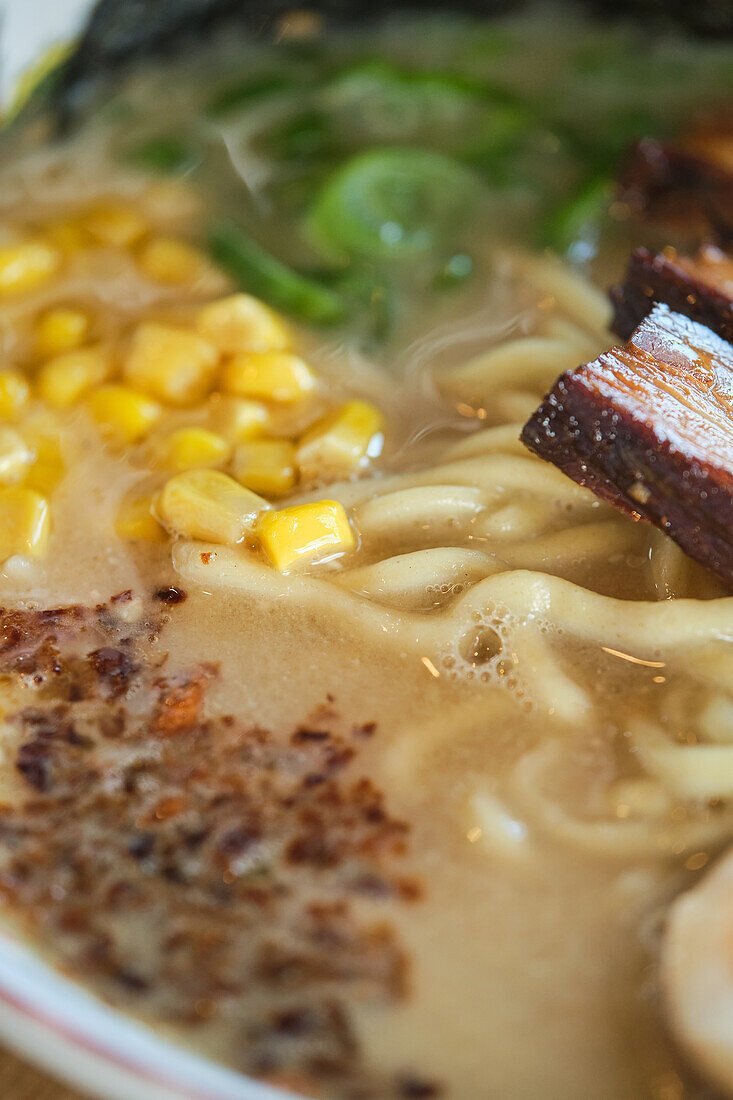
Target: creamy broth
x: 512, y: 670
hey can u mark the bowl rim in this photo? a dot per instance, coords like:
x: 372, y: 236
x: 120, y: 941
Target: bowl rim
x: 50, y: 1020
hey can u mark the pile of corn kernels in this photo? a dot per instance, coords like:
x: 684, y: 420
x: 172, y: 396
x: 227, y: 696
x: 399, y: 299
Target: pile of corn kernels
x: 220, y: 405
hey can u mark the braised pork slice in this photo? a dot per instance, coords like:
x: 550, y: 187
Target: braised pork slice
x: 686, y: 183
x: 700, y: 287
x: 649, y: 427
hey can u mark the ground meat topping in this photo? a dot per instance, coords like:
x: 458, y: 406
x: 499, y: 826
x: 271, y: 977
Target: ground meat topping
x: 197, y: 870
x: 170, y: 594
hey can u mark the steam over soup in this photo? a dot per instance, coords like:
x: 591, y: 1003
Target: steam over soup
x: 345, y: 740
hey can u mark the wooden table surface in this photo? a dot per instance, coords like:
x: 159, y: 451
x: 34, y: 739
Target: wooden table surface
x: 20, y: 1082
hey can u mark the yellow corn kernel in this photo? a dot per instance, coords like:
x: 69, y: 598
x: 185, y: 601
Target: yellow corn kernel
x: 189, y: 448
x: 24, y: 523
x: 135, y: 521
x: 14, y: 393
x: 242, y: 323
x: 296, y: 533
x: 171, y: 262
x: 209, y: 505
x: 114, y: 224
x: 26, y: 265
x: 269, y: 376
x: 126, y: 414
x: 68, y: 236
x: 15, y: 456
x: 267, y: 466
x: 173, y: 364
x: 59, y: 330
x: 48, y: 469
x: 238, y: 419
x: 342, y: 441
x: 63, y: 380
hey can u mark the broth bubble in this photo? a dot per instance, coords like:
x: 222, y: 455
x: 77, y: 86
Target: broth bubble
x: 479, y: 646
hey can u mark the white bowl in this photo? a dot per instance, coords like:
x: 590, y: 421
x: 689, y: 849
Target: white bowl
x: 49, y: 1020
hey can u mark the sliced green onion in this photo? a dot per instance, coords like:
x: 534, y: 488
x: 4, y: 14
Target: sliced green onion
x: 233, y: 97
x: 307, y: 135
x: 379, y: 77
x: 574, y: 226
x: 392, y: 204
x: 394, y: 86
x: 169, y: 155
x: 456, y: 271
x: 375, y: 101
x: 503, y: 127
x: 603, y: 147
x: 255, y: 270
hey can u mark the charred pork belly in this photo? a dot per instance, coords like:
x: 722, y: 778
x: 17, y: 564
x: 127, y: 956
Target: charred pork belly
x: 687, y: 183
x: 649, y: 427
x: 700, y: 287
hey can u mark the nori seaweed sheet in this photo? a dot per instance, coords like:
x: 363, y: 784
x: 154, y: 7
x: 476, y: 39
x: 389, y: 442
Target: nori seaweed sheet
x: 122, y: 31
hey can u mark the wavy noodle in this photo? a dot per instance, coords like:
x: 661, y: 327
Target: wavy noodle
x: 500, y: 833
x: 518, y: 519
x: 712, y: 666
x: 422, y: 508
x: 716, y: 718
x: 404, y: 580
x: 411, y: 581
x: 515, y: 405
x: 552, y: 688
x: 670, y: 567
x: 574, y: 297
x: 485, y: 539
x: 531, y: 362
x: 500, y: 440
x: 403, y: 757
x: 586, y: 347
x: 648, y: 630
x: 562, y: 549
x: 645, y: 629
x: 498, y: 475
x: 698, y: 772
x: 649, y: 836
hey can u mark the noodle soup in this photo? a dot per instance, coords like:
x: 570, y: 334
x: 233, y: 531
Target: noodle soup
x: 345, y: 740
